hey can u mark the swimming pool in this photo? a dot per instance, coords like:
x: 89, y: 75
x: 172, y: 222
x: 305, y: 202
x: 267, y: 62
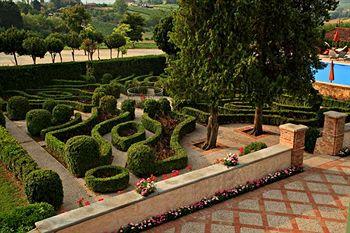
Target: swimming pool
x: 341, y: 74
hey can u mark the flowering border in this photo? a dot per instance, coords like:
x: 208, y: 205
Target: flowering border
x: 208, y: 202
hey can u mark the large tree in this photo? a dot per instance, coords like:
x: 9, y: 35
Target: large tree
x: 212, y: 37
x: 55, y: 46
x: 74, y: 41
x: 11, y: 42
x: 10, y: 15
x: 285, y: 40
x: 35, y: 47
x: 76, y: 17
x: 115, y: 41
x: 137, y: 23
x: 162, y: 35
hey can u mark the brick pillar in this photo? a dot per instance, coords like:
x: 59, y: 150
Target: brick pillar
x: 333, y: 134
x: 294, y: 137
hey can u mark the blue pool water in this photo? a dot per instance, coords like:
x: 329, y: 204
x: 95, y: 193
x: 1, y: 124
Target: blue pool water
x: 341, y: 74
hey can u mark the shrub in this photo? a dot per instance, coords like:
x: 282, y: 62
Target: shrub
x: 17, y: 107
x: 141, y: 160
x: 44, y: 186
x: 152, y: 107
x: 310, y: 139
x: 123, y: 142
x: 82, y: 154
x: 97, y: 96
x: 128, y: 105
x: 37, y: 120
x: 2, y: 119
x: 108, y: 105
x: 107, y: 179
x: 106, y: 78
x: 49, y: 104
x: 164, y: 105
x: 62, y: 113
x: 23, y: 219
x: 254, y: 146
x: 89, y: 78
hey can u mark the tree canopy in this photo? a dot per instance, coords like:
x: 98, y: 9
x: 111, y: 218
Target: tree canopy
x: 76, y: 17
x: 137, y: 23
x: 10, y: 15
x: 162, y: 35
x: 35, y: 47
x: 11, y: 42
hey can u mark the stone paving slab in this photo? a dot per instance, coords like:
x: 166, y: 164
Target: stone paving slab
x: 314, y: 201
x: 72, y: 190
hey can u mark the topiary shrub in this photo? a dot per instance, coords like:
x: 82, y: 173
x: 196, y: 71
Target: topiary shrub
x: 89, y: 78
x: 108, y: 105
x: 165, y: 106
x: 17, y: 107
x: 22, y: 219
x: 61, y: 114
x: 2, y: 119
x: 37, y: 120
x: 106, y: 78
x: 254, y: 146
x: 44, y: 186
x: 152, y: 107
x: 107, y: 179
x: 49, y: 104
x: 126, y: 134
x: 310, y: 139
x: 82, y: 154
x: 141, y: 160
x: 97, y: 96
x: 128, y: 105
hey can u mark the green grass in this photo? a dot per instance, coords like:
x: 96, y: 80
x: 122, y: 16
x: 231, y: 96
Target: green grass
x: 104, y: 27
x: 156, y: 11
x: 344, y: 4
x: 10, y: 194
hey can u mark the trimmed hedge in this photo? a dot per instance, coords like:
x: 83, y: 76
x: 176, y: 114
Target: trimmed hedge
x: 141, y: 160
x: 107, y: 179
x: 103, y: 128
x: 44, y: 186
x: 151, y: 107
x: 49, y: 104
x: 82, y: 154
x: 17, y: 107
x: 124, y: 142
x: 153, y: 126
x: 128, y: 105
x: 61, y: 114
x: 310, y: 139
x: 23, y: 219
x: 77, y: 119
x: 253, y: 147
x: 108, y: 105
x: 37, y: 120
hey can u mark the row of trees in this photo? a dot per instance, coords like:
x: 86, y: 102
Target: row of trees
x: 263, y: 48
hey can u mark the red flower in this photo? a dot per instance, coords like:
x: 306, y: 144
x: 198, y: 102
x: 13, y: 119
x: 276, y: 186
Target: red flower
x: 241, y: 150
x: 101, y: 199
x: 189, y: 168
x: 175, y: 173
x: 165, y: 177
x: 87, y: 203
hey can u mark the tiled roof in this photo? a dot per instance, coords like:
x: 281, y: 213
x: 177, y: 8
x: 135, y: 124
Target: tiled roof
x: 344, y: 34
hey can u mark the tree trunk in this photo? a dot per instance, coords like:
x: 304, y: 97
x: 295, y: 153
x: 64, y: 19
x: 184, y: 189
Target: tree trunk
x: 258, y: 127
x: 98, y: 53
x: 118, y: 52
x: 60, y: 56
x: 212, y: 129
x: 73, y: 54
x: 14, y: 56
x: 34, y: 59
x: 91, y: 56
x: 52, y: 57
x: 110, y: 53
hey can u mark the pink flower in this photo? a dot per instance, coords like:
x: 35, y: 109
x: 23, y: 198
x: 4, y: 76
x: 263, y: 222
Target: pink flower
x: 165, y: 177
x: 101, y: 199
x: 87, y: 203
x: 189, y: 168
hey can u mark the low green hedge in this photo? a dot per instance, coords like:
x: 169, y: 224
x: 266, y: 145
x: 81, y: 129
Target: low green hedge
x: 77, y: 119
x: 37, y: 120
x: 103, y: 128
x: 124, y: 142
x: 330, y: 102
x: 253, y: 147
x: 23, y: 219
x: 153, y: 126
x: 107, y: 179
x: 61, y: 114
x: 17, y: 107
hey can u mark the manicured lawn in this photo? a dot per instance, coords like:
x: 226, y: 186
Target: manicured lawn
x: 11, y: 195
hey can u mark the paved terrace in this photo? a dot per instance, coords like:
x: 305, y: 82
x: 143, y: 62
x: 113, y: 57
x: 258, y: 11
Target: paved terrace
x: 314, y: 201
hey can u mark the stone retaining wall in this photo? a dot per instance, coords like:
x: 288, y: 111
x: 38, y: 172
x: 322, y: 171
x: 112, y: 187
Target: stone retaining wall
x: 334, y: 90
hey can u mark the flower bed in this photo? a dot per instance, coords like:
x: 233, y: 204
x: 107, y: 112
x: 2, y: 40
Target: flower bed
x: 219, y: 197
x: 126, y: 134
x: 107, y: 179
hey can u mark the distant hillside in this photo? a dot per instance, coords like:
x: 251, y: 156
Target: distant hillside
x: 344, y: 4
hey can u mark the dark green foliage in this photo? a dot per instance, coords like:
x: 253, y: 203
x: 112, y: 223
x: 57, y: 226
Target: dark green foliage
x: 49, y: 104
x: 17, y: 107
x: 35, y: 47
x: 126, y: 134
x: 97, y: 96
x: 136, y: 22
x: 310, y: 139
x: 108, y: 105
x: 14, y: 157
x: 107, y: 179
x: 82, y: 154
x: 128, y: 105
x: 141, y: 160
x: 62, y: 113
x: 11, y: 42
x: 54, y: 45
x: 23, y: 219
x: 106, y: 78
x: 162, y: 35
x: 77, y: 119
x: 2, y: 119
x: 115, y: 41
x: 10, y: 15
x: 37, y: 120
x: 44, y: 186
x: 254, y: 146
x: 151, y: 107
x: 164, y: 105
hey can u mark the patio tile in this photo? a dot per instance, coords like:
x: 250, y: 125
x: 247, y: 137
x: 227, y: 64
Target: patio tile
x: 323, y: 199
x: 191, y: 227
x: 309, y: 225
x: 335, y: 179
x: 341, y: 189
x: 317, y: 187
x: 273, y: 194
x: 329, y: 212
x: 313, y: 177
x: 277, y: 221
x: 251, y: 230
x: 249, y: 204
x: 250, y: 219
x: 297, y: 196
x: 222, y: 215
x: 336, y: 227
x: 296, y: 185
x: 222, y: 228
x: 274, y: 206
x: 302, y: 209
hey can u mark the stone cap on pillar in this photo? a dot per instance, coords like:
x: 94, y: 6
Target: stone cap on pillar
x: 293, y: 128
x: 335, y: 115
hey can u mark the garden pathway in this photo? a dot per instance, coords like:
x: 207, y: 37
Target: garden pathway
x: 72, y: 190
x: 314, y: 201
